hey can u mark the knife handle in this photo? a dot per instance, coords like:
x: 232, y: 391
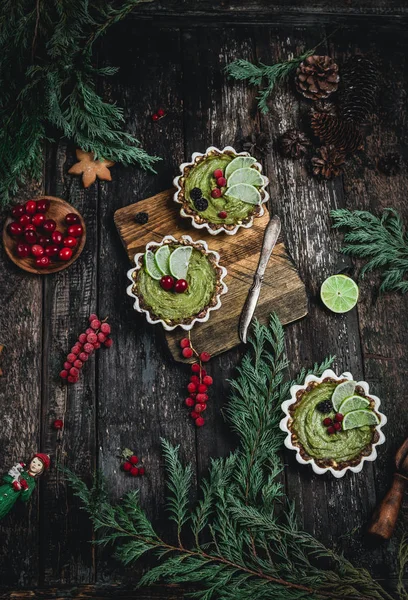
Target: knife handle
x: 268, y: 244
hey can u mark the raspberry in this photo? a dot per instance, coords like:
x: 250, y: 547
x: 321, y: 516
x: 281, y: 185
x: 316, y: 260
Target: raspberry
x: 108, y: 343
x: 327, y: 421
x: 78, y: 364
x: 126, y: 466
x: 92, y: 317
x: 82, y: 338
x: 189, y: 402
x: 337, y: 426
x: 67, y: 365
x: 195, y: 368
x: 185, y: 343
x: 105, y: 328
x: 205, y: 357
x: 83, y: 356
x: 64, y: 374
x: 88, y: 348
x: 71, y: 357
x: 142, y: 471
x: 194, y: 414
x: 195, y: 379
x: 199, y: 422
x: 134, y: 460
x: 187, y: 352
x: 95, y: 324
x: 202, y: 388
x: 207, y: 380
x: 134, y: 471
x: 192, y: 387
x: 338, y: 417
x: 92, y: 338
x: 201, y: 398
x: 331, y: 430
x: 76, y: 349
x: 74, y: 372
x: 101, y: 337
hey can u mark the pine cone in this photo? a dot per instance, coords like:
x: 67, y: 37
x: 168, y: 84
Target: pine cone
x: 358, y: 93
x: 293, y: 143
x: 329, y: 163
x: 257, y: 144
x: 343, y: 135
x: 390, y: 164
x: 322, y: 106
x: 317, y: 77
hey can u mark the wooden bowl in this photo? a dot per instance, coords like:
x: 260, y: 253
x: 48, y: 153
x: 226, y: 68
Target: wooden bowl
x: 58, y: 210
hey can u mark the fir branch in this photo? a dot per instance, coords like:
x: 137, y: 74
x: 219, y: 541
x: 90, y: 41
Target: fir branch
x: 242, y: 547
x: 383, y: 240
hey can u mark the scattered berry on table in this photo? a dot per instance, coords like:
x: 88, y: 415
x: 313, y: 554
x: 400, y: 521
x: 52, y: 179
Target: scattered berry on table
x: 196, y: 194
x: 126, y: 466
x: 58, y: 424
x: 133, y: 459
x: 161, y: 112
x: 141, y: 218
x: 216, y: 193
x: 142, y: 471
x: 155, y: 117
x: 134, y: 471
x: 130, y: 460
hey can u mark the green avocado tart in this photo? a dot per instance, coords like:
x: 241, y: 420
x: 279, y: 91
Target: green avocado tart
x: 221, y: 190
x: 333, y: 423
x: 177, y: 282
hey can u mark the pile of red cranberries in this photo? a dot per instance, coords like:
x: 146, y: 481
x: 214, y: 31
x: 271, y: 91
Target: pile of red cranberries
x: 38, y: 237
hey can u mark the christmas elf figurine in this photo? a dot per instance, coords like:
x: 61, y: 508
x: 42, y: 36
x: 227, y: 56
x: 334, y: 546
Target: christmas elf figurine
x: 20, y: 482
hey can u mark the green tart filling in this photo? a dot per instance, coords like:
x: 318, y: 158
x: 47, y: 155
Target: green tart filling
x: 310, y: 434
x: 202, y: 279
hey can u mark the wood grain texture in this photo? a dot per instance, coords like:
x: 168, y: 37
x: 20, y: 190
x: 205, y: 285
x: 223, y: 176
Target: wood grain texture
x: 282, y: 290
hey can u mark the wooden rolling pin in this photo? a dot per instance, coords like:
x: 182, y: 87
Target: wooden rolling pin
x: 386, y: 515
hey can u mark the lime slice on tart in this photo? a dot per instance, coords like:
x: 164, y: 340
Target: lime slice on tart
x: 343, y: 390
x: 339, y: 293
x: 359, y: 418
x: 353, y: 403
x: 151, y: 266
x: 179, y: 261
x: 246, y: 175
x: 161, y: 257
x: 240, y: 162
x: 245, y: 193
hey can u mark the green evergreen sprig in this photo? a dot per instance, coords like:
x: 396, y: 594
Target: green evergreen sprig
x: 243, y: 546
x: 244, y: 70
x: 382, y: 240
x: 48, y: 87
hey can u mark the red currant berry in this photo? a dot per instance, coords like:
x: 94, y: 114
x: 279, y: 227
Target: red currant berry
x: 88, y: 348
x: 155, y: 117
x: 57, y: 237
x: 83, y: 356
x: 108, y: 343
x: 202, y: 388
x: 38, y: 219
x: 67, y: 365
x: 189, y: 402
x: 78, y: 364
x: 199, y: 421
x: 49, y: 226
x: 221, y: 182
x: 161, y: 112
x: 65, y: 254
x: 92, y: 317
x: 223, y: 214
x: 14, y: 229
x: 327, y: 422
x: 71, y: 357
x: 63, y: 374
x: 195, y: 368
x: 218, y: 173
x: 101, y: 337
x: 134, y: 471
x: 194, y: 414
x: 207, y: 380
x: 203, y: 373
x: 193, y: 395
x: 42, y: 262
x: 23, y: 250
x: 37, y: 250
x: 187, y: 352
x: 89, y: 330
x: 74, y: 372
x: 97, y: 345
x: 195, y: 379
x: 51, y: 250
x: 199, y: 408
x: 95, y: 324
x: 205, y: 357
x: 105, y: 328
x: 24, y: 220
x: 216, y: 193
x: 202, y: 398
x: 134, y: 460
x: 180, y: 286
x: 338, y: 417
x: 72, y: 219
x: 71, y: 379
x: 331, y: 430
x: 126, y: 466
x: 192, y: 387
x: 75, y: 230
x: 82, y: 338
x: 58, y: 424
x: 76, y: 348
x: 30, y: 207
x: 337, y: 426
x: 185, y: 343
x: 167, y: 282
x: 17, y: 211
x: 142, y: 471
x: 92, y: 338
x: 42, y: 206
x: 69, y: 242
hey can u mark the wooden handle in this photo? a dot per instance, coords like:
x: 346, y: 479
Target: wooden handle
x: 385, y: 517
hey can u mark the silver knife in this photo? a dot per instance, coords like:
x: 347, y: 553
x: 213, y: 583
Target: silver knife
x: 271, y: 234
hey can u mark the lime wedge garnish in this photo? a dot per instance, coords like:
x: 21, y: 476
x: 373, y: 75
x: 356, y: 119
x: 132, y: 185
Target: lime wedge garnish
x: 339, y: 293
x: 151, y: 266
x: 343, y: 390
x: 353, y: 403
x: 240, y: 162
x: 359, y: 418
x: 161, y: 257
x: 246, y: 175
x: 179, y: 260
x: 245, y: 193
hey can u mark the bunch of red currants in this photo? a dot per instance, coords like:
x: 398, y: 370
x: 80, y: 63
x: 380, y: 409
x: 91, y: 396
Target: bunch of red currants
x: 39, y: 238
x: 199, y: 383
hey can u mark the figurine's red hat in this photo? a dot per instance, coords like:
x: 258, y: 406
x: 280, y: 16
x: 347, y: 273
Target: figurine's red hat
x: 44, y: 458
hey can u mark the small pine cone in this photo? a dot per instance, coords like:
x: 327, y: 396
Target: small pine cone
x: 343, y: 135
x: 358, y: 92
x: 317, y: 77
x: 390, y: 164
x: 257, y: 144
x: 293, y: 143
x: 329, y: 163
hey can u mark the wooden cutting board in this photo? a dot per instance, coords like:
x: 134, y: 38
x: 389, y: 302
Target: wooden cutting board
x: 282, y: 291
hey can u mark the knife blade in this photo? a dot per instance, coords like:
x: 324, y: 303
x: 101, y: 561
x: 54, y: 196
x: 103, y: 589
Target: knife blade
x: 271, y: 234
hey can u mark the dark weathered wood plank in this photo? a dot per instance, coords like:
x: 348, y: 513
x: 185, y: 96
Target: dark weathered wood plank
x: 20, y: 394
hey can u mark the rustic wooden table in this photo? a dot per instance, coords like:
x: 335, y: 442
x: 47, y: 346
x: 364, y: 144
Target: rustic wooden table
x: 172, y: 54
